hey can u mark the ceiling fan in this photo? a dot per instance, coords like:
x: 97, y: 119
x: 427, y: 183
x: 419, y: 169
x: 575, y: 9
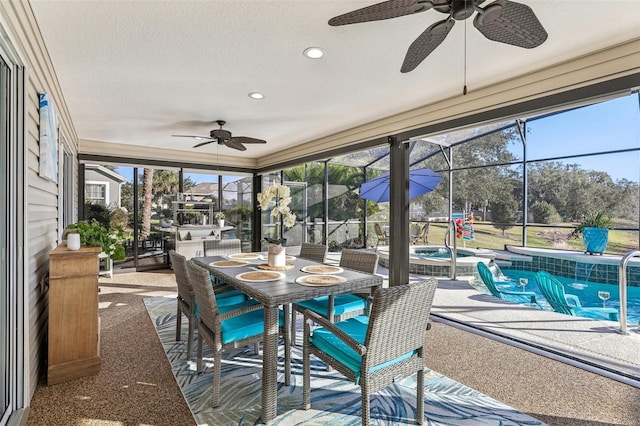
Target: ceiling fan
x: 503, y: 21
x: 223, y: 137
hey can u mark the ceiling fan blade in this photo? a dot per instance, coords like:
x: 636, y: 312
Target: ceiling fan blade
x: 245, y: 139
x: 191, y: 136
x: 203, y: 143
x: 425, y: 44
x: 233, y: 143
x: 510, y: 23
x: 385, y: 10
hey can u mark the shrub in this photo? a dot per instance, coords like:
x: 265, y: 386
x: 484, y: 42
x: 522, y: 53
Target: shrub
x: 544, y: 212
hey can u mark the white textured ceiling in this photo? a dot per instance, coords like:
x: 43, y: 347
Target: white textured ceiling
x: 136, y: 72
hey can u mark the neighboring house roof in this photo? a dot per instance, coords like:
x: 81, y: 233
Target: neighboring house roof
x: 204, y: 188
x: 111, y: 174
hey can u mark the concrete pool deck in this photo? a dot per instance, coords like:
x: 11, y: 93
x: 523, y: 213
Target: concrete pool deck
x: 591, y: 344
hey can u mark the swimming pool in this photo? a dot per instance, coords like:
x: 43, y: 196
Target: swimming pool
x: 587, y: 291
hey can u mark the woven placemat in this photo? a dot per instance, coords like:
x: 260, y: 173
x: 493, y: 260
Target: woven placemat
x: 266, y: 267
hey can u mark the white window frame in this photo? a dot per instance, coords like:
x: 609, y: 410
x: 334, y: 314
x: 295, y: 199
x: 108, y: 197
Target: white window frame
x: 98, y: 182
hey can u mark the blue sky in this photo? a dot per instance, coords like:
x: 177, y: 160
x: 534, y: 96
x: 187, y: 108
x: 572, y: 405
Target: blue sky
x: 605, y: 126
x: 601, y: 127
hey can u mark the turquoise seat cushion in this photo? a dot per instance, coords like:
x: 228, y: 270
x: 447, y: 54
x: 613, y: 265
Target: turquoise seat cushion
x: 342, y: 303
x: 230, y: 298
x: 245, y: 325
x: 356, y: 327
x: 231, y: 302
x: 230, y: 307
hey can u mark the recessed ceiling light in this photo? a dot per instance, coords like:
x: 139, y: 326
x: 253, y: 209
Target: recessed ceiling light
x: 256, y: 95
x: 314, y: 52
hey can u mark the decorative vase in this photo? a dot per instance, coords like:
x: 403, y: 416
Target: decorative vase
x: 276, y: 257
x: 221, y: 223
x: 73, y: 241
x: 595, y: 239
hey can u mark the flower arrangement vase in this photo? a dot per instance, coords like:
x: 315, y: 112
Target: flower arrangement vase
x: 276, y: 256
x: 221, y: 223
x: 595, y: 239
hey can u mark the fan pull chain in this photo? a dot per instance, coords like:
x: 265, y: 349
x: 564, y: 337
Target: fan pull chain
x: 464, y: 88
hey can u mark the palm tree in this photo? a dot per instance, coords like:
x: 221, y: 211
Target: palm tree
x: 147, y: 182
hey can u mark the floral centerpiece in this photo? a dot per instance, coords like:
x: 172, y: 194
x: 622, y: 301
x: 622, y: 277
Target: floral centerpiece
x: 278, y: 197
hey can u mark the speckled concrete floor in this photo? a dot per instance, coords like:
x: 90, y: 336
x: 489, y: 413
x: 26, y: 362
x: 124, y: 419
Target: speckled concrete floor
x: 136, y: 386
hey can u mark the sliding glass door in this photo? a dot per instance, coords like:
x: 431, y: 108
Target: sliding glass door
x: 6, y: 308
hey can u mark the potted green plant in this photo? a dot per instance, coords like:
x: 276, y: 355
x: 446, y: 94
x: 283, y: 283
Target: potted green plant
x: 594, y: 228
x: 94, y: 234
x: 219, y: 216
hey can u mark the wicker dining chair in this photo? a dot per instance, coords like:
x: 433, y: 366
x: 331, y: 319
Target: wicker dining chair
x: 315, y: 252
x: 186, y: 303
x: 376, y: 350
x: 341, y: 306
x: 226, y: 329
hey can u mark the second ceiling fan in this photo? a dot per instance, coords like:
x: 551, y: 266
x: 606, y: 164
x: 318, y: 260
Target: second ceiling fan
x: 223, y: 137
x: 503, y: 21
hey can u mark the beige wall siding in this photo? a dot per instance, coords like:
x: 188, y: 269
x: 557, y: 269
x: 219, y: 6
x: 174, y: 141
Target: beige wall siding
x: 41, y: 217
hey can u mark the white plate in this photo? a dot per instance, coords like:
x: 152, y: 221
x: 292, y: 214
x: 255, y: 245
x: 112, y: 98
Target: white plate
x: 322, y: 269
x: 229, y: 263
x: 289, y: 259
x: 244, y: 256
x: 260, y: 276
x: 316, y: 280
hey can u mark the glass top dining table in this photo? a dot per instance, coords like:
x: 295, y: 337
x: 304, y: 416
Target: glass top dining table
x: 283, y: 291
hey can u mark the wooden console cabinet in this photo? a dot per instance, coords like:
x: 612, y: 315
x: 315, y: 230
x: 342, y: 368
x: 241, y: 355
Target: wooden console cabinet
x: 74, y: 327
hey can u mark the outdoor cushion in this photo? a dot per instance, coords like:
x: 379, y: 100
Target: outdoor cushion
x: 342, y: 303
x: 230, y: 298
x: 235, y: 305
x: 356, y: 327
x: 245, y: 325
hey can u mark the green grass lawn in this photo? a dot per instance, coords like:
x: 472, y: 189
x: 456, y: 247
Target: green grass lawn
x: 486, y: 236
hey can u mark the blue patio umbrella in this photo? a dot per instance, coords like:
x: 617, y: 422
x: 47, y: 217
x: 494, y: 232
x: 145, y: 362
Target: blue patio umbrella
x: 421, y: 181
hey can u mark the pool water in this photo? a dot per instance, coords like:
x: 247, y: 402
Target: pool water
x: 587, y: 291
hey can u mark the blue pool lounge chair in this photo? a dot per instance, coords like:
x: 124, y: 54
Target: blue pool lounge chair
x: 528, y: 297
x: 569, y: 304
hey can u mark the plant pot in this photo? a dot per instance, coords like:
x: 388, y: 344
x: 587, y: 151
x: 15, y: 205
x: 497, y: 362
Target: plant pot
x: 221, y: 223
x: 73, y: 241
x: 595, y: 240
x: 276, y: 257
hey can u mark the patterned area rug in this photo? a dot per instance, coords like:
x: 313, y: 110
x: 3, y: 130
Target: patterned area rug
x: 334, y: 399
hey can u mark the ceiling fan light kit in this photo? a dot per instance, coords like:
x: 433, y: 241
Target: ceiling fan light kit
x: 503, y: 21
x: 223, y: 137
